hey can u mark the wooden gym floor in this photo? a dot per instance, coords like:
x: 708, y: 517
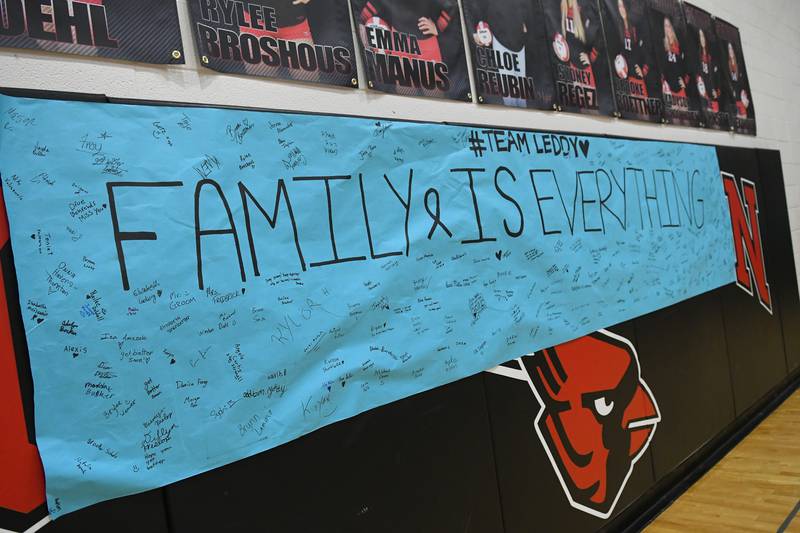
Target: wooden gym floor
x: 756, y: 487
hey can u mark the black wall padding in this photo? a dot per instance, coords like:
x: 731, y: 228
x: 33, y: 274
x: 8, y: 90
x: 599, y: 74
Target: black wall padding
x: 421, y: 464
x: 754, y: 337
x: 781, y: 270
x: 132, y: 514
x: 683, y: 353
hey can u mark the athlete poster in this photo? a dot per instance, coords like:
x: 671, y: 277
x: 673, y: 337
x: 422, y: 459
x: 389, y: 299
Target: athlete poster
x: 706, y: 67
x: 413, y: 48
x: 509, y: 56
x: 576, y: 47
x: 734, y: 79
x: 304, y: 40
x: 670, y: 45
x: 634, y: 72
x: 145, y: 30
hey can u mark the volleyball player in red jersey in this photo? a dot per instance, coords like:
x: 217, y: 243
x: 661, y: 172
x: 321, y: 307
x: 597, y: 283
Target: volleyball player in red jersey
x: 423, y: 19
x: 674, y: 74
x: 708, y: 77
x: 738, y: 84
x: 291, y: 19
x: 575, y: 43
x: 426, y: 21
x: 503, y: 27
x: 631, y: 62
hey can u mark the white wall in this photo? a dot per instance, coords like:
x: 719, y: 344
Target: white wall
x: 770, y: 35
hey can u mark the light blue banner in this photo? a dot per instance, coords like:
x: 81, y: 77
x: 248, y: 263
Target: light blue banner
x: 200, y: 285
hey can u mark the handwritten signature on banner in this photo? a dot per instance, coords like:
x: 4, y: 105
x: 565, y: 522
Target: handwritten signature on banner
x: 200, y: 285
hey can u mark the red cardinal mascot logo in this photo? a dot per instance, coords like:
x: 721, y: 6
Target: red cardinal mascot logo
x: 597, y: 416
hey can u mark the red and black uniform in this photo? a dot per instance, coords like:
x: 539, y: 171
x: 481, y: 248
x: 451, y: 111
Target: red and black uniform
x: 291, y: 21
x: 576, y: 46
x: 739, y: 84
x: 403, y: 17
x: 632, y: 49
x: 709, y: 74
x: 508, y: 20
x: 675, y: 70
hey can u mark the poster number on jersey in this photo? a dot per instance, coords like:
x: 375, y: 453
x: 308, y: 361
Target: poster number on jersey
x: 634, y: 73
x: 706, y: 67
x: 578, y: 56
x: 671, y: 45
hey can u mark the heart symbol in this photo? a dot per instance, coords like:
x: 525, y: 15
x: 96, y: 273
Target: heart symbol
x: 584, y: 146
x: 33, y: 236
x: 39, y: 320
x: 74, y: 355
x: 343, y: 383
x: 329, y: 388
x: 172, y: 361
x: 158, y: 292
x: 499, y: 254
x: 243, y: 290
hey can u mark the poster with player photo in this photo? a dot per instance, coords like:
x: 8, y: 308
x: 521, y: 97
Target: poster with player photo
x: 635, y: 78
x: 146, y: 31
x: 303, y: 40
x: 576, y: 47
x: 670, y: 43
x: 413, y: 47
x: 509, y: 55
x: 734, y: 79
x: 705, y: 67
